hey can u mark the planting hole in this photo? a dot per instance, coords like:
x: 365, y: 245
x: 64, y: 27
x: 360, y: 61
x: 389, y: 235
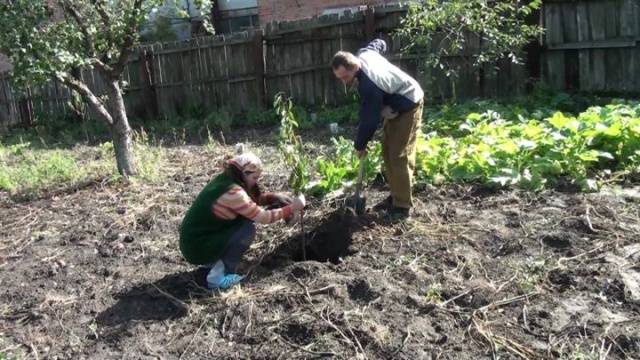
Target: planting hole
x: 329, y: 241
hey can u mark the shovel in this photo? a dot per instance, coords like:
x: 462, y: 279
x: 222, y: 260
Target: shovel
x: 358, y: 203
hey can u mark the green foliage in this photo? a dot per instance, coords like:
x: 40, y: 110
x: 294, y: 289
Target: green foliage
x: 256, y: 117
x: 60, y: 131
x: 331, y: 174
x: 150, y: 159
x: 211, y: 144
x: 525, y: 144
x: 531, y: 275
x: 162, y: 30
x: 44, y: 42
x: 340, y: 168
x: 442, y: 30
x: 6, y: 357
x: 542, y: 103
x: 48, y: 40
x: 303, y: 118
x: 532, y: 153
x: 290, y: 144
x: 220, y: 120
x: 27, y: 170
x: 342, y: 115
x: 434, y: 293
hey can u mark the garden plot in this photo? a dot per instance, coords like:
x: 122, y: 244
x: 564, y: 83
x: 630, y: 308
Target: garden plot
x: 96, y: 273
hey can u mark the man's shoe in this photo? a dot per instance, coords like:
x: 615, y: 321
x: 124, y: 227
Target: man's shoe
x: 385, y: 204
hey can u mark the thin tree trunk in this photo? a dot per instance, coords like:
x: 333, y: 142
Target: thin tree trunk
x: 115, y: 115
x: 121, y: 131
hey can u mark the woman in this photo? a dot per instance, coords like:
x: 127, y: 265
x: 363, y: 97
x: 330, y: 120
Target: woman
x: 220, y: 225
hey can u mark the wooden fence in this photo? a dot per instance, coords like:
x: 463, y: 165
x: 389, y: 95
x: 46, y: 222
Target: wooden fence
x: 243, y: 71
x: 592, y: 46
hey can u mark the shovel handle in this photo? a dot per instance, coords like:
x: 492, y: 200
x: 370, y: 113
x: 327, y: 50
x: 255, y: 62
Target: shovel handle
x: 360, y: 175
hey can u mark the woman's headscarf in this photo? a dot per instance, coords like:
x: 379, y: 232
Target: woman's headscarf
x: 246, y: 163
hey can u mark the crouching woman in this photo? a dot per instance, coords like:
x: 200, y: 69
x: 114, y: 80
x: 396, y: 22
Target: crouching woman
x: 220, y: 226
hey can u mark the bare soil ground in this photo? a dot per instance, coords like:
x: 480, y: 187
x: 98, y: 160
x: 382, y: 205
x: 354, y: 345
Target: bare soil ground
x: 96, y: 273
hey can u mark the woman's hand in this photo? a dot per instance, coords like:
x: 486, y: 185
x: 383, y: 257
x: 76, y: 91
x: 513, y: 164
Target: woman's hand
x: 293, y: 219
x: 282, y: 198
x: 298, y: 203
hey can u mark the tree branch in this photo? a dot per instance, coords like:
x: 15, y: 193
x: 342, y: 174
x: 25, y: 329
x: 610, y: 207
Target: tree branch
x: 71, y: 10
x: 88, y: 95
x: 99, y: 6
x: 101, y: 65
x: 130, y: 36
x: 89, y: 43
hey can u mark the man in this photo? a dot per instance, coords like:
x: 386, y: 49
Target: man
x: 387, y: 93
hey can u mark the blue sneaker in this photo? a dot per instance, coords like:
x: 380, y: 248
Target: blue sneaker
x: 226, y: 282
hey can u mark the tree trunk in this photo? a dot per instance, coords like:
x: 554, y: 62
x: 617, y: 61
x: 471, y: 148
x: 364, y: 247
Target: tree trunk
x: 115, y: 115
x: 121, y: 131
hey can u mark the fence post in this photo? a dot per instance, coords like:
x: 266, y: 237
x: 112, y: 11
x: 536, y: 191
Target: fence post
x: 5, y: 117
x: 369, y: 23
x: 149, y: 88
x: 258, y: 56
x: 26, y: 110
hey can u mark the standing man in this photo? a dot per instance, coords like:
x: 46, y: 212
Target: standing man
x: 387, y: 93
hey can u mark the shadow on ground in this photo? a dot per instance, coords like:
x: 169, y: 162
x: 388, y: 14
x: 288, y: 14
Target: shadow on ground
x: 164, y: 299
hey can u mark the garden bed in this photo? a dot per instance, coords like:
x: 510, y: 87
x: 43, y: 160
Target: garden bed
x: 96, y: 273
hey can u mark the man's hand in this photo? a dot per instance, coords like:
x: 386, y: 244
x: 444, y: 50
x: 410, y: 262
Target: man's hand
x: 388, y: 113
x: 361, y: 153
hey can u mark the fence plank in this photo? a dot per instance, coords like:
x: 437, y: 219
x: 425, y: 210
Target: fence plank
x: 555, y: 60
x: 597, y: 11
x: 606, y: 39
x: 612, y: 20
x: 307, y: 59
x: 627, y: 69
x: 635, y: 61
x: 583, y: 35
x: 569, y: 16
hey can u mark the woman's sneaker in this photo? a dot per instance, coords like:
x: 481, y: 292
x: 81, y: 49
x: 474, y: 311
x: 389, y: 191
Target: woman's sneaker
x: 226, y: 282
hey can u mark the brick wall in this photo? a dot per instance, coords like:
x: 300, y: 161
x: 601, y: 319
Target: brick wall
x: 286, y: 10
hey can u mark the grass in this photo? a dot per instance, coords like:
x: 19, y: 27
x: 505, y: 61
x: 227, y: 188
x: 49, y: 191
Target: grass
x: 25, y: 170
x: 60, y: 152
x: 582, y: 351
x: 434, y: 294
x: 531, y: 274
x: 31, y: 171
